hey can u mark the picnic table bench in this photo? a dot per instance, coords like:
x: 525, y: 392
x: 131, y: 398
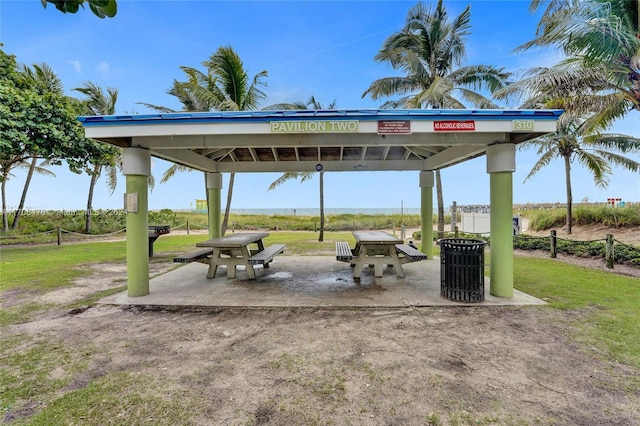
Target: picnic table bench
x: 265, y: 256
x: 201, y: 256
x: 233, y: 251
x: 377, y: 249
x: 343, y: 251
x: 409, y: 254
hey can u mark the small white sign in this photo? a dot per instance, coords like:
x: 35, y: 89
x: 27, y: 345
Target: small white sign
x: 131, y: 202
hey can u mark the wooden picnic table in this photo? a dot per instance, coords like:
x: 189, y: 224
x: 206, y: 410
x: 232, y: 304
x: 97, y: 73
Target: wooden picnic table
x: 233, y: 250
x: 376, y: 248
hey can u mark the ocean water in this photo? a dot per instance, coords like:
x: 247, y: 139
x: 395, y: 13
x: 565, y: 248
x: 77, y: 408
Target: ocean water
x: 327, y: 211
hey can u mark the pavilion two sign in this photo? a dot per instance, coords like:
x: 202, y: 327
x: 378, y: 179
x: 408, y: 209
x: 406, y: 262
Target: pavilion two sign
x: 323, y: 126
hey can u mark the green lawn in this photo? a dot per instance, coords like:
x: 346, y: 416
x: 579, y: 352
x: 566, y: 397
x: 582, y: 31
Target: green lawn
x: 47, y: 267
x: 610, y: 303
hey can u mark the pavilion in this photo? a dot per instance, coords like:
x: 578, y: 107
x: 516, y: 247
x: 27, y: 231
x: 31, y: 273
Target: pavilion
x: 323, y: 140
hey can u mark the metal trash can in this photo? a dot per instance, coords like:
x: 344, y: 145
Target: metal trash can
x: 462, y: 269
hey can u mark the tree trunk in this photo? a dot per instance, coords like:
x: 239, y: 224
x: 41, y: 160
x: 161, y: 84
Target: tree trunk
x: 32, y: 167
x: 206, y: 189
x: 94, y: 178
x: 567, y: 171
x: 321, y: 237
x: 440, y: 205
x: 5, y: 218
x: 227, y: 209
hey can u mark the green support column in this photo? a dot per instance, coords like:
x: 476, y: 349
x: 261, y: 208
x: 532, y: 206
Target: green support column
x: 214, y: 188
x: 426, y: 213
x: 136, y: 167
x: 138, y: 238
x: 501, y: 270
x: 500, y: 166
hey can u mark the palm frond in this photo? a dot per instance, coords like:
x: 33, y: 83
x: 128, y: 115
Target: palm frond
x: 172, y: 170
x: 44, y: 76
x: 623, y: 143
x: 433, y: 95
x: 112, y: 177
x: 99, y: 102
x: 289, y: 176
x: 543, y: 161
x: 388, y: 86
x: 596, y: 165
x: 619, y: 160
x: 476, y: 99
x: 38, y: 169
x: 158, y: 108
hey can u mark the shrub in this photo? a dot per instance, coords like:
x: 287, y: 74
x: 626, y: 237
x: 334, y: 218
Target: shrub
x: 524, y: 242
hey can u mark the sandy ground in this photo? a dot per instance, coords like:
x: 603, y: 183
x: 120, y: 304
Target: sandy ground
x: 414, y: 366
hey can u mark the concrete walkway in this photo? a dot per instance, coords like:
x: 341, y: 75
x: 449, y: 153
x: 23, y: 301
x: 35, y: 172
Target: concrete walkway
x: 305, y: 282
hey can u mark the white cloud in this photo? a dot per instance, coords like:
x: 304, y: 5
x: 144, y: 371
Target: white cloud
x: 76, y: 66
x: 103, y: 68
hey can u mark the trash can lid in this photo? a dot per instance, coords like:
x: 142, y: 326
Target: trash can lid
x: 461, y: 242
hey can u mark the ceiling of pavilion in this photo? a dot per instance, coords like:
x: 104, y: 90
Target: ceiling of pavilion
x: 329, y: 140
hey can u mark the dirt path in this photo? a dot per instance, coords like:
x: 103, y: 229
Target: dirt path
x: 425, y: 366
x: 409, y: 367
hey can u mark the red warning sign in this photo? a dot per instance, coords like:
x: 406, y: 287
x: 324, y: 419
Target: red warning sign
x: 454, y: 126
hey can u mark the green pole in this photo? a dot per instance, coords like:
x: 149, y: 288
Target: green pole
x: 214, y: 189
x: 137, y: 236
x: 215, y: 224
x: 501, y: 270
x: 426, y: 220
x: 426, y: 212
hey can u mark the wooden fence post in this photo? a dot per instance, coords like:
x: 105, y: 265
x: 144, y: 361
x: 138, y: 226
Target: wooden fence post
x: 187, y: 227
x: 59, y: 236
x: 554, y: 242
x: 455, y: 232
x: 609, y: 253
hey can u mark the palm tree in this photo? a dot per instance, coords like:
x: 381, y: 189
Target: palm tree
x: 598, y: 31
x: 598, y: 83
x: 313, y: 104
x: 575, y: 142
x: 100, y: 103
x: 601, y: 75
x: 5, y: 174
x: 46, y: 81
x: 430, y: 49
x: 225, y: 86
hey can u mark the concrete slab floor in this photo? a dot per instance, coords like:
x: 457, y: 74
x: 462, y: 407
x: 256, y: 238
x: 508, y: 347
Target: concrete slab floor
x: 305, y: 282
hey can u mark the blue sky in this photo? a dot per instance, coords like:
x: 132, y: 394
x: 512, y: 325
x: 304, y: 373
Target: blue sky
x: 324, y: 49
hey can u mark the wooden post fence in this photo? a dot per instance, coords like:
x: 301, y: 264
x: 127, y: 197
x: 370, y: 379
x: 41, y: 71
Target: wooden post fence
x: 609, y: 253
